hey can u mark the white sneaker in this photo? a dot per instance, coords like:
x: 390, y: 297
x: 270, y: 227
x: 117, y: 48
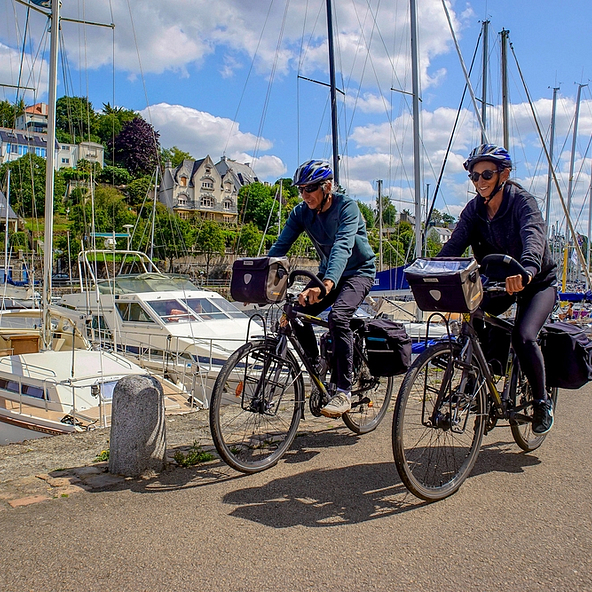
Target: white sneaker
x: 337, y: 406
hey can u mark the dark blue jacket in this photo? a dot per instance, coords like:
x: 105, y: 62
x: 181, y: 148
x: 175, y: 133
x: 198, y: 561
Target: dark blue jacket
x: 517, y: 229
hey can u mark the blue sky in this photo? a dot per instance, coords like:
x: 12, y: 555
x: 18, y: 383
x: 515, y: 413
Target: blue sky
x: 221, y: 78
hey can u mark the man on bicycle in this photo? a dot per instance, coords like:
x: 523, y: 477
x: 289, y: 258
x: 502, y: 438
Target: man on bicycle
x: 504, y: 218
x: 337, y: 229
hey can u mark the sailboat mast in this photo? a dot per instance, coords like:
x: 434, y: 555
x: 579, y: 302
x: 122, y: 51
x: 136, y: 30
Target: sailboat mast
x: 551, y: 146
x: 153, y: 218
x: 416, y: 130
x: 49, y: 174
x: 334, y: 128
x: 485, y: 27
x: 505, y: 118
x: 573, y: 149
x: 379, y: 192
x: 6, y: 227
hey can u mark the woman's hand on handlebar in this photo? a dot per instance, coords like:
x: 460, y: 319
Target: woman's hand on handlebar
x: 313, y: 295
x: 514, y: 284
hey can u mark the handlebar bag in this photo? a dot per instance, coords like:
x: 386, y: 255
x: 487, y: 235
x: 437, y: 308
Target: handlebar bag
x: 567, y: 351
x: 445, y: 284
x: 259, y: 280
x: 388, y: 347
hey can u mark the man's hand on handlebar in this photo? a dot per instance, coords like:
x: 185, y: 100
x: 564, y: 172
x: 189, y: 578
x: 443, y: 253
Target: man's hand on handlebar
x: 514, y: 284
x: 313, y: 295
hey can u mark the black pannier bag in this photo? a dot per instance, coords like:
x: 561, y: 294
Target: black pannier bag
x: 259, y: 280
x: 568, y: 355
x: 445, y: 284
x: 388, y: 347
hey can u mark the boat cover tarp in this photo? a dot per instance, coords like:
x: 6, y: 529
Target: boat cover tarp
x: 391, y: 279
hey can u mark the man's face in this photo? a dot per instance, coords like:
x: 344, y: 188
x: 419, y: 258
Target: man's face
x: 312, y: 195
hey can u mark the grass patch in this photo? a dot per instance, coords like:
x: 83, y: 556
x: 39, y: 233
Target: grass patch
x: 102, y: 456
x: 194, y: 456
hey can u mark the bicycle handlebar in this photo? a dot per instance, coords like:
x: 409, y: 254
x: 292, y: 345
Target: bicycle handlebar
x: 311, y: 276
x: 500, y: 267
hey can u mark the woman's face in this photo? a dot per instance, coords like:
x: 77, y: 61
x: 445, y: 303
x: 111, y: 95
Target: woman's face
x: 483, y: 186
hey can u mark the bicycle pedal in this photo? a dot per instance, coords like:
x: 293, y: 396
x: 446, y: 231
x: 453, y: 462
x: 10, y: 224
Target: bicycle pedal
x: 364, y: 401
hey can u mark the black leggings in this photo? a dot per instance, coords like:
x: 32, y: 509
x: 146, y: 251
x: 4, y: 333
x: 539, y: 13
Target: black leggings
x: 533, y: 309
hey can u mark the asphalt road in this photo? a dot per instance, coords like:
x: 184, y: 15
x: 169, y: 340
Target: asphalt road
x: 332, y: 516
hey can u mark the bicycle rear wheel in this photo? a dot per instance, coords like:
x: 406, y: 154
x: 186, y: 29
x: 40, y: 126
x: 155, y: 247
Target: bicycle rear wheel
x: 256, y: 406
x: 371, y: 396
x: 522, y: 425
x: 435, y: 448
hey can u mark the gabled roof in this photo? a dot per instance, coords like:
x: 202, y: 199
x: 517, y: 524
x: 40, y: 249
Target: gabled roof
x: 243, y: 172
x: 11, y: 214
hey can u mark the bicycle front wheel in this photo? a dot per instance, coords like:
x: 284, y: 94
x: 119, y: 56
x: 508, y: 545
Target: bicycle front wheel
x: 256, y: 406
x: 439, y: 422
x: 522, y: 425
x: 371, y: 396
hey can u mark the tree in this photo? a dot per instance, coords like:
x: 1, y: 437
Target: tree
x: 447, y: 220
x: 111, y: 211
x: 209, y: 241
x: 27, y: 185
x: 255, y: 204
x: 138, y: 190
x: 367, y: 213
x: 76, y: 120
x: 136, y: 147
x: 9, y: 112
x: 114, y: 175
x: 109, y: 125
x: 249, y: 240
x: 389, y: 211
x: 173, y: 235
x: 175, y: 156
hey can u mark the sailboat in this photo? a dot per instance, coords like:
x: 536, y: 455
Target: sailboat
x: 51, y: 381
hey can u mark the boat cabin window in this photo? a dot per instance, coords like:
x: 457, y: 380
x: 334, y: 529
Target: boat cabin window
x: 228, y: 308
x: 27, y: 389
x: 205, y: 309
x: 132, y: 312
x: 171, y: 311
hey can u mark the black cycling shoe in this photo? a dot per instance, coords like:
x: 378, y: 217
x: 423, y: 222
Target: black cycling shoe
x: 542, y: 417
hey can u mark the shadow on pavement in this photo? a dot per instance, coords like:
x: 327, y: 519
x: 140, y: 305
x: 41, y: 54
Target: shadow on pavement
x: 325, y: 497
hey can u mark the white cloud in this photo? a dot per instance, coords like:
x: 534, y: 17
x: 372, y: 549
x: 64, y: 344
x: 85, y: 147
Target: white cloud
x: 200, y: 133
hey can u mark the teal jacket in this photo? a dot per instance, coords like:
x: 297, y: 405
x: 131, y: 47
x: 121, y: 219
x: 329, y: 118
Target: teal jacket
x: 338, y: 235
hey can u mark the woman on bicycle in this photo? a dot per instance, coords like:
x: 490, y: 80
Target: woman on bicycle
x: 504, y: 218
x: 337, y: 230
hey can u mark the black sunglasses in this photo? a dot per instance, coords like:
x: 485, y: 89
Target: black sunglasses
x: 309, y: 188
x: 487, y: 175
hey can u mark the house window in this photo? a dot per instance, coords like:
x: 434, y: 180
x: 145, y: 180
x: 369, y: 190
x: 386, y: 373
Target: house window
x: 206, y: 202
x: 183, y: 182
x: 65, y: 161
x: 227, y: 204
x: 207, y: 185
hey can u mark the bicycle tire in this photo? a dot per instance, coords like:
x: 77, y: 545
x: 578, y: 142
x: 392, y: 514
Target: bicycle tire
x: 371, y: 397
x: 433, y: 462
x: 250, y: 433
x: 522, y: 430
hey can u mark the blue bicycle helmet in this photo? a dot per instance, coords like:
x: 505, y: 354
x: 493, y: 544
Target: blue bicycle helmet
x: 312, y: 171
x: 490, y: 152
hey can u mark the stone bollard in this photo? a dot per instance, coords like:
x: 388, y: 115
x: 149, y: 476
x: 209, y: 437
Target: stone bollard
x: 138, y: 428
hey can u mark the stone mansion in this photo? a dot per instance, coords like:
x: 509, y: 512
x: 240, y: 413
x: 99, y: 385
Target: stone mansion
x: 200, y: 188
